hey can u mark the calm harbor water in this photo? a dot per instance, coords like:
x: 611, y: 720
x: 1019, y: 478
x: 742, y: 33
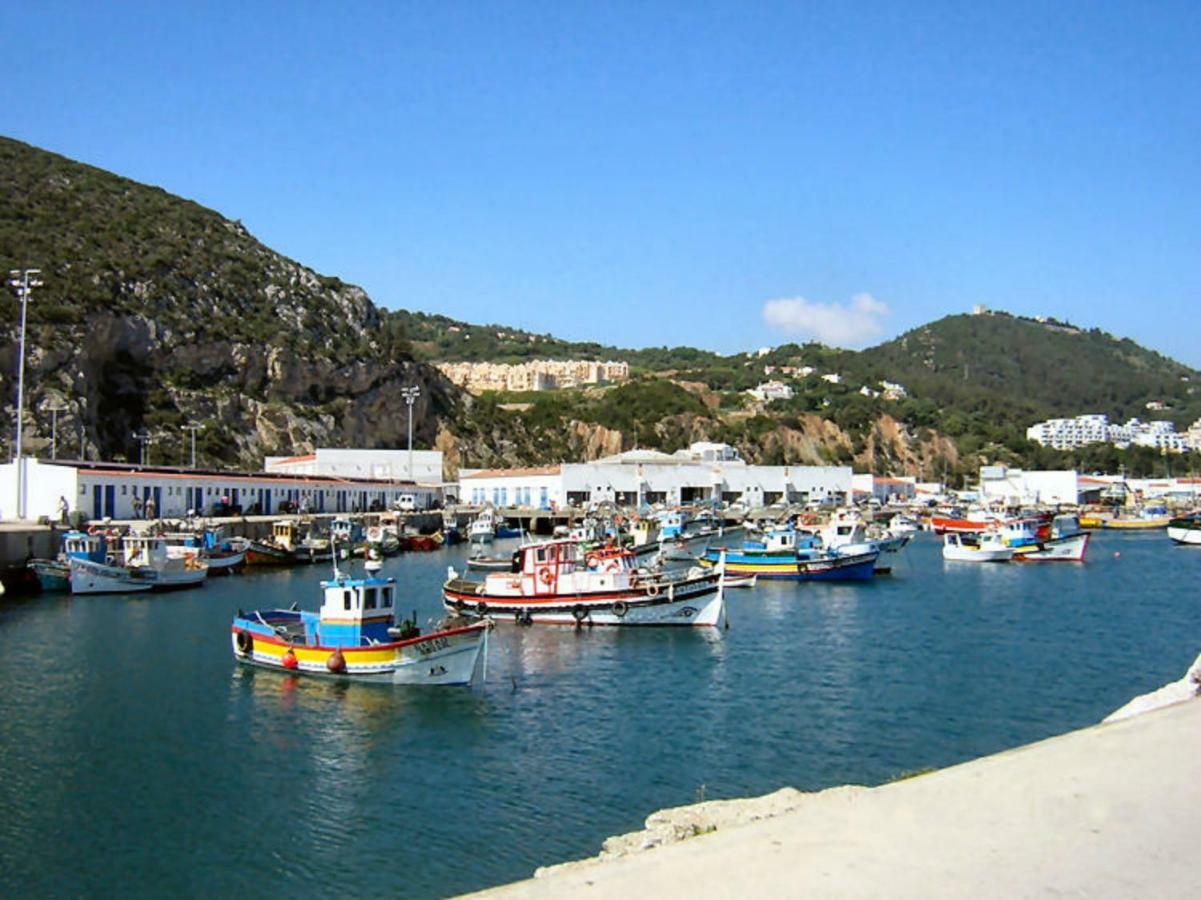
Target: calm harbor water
x: 136, y: 757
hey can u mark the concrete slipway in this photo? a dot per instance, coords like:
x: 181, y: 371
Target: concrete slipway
x: 1109, y: 811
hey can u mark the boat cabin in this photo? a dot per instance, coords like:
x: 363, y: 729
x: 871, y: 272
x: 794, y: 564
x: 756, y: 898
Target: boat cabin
x: 82, y: 545
x: 562, y: 566
x: 671, y: 525
x: 344, y: 531
x: 783, y: 540
x: 355, y: 612
x: 283, y: 534
x: 145, y: 551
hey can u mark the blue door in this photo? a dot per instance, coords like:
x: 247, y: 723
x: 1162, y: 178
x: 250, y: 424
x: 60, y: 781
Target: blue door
x: 110, y: 500
x: 266, y: 501
x: 321, y: 501
x: 233, y: 497
x: 97, y: 509
x: 158, y: 501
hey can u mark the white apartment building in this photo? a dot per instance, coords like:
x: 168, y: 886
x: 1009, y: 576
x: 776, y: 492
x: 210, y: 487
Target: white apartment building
x: 1068, y: 434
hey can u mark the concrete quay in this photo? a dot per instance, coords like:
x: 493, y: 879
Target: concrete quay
x: 1113, y: 810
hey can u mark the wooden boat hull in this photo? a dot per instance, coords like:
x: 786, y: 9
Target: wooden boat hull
x: 788, y: 566
x: 1136, y: 524
x: 1185, y: 531
x: 969, y: 554
x: 53, y: 575
x: 1069, y: 548
x: 89, y: 577
x: 259, y: 554
x: 448, y: 657
x: 689, y: 602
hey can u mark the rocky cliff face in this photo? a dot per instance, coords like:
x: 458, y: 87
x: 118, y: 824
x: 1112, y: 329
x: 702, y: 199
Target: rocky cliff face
x: 155, y: 312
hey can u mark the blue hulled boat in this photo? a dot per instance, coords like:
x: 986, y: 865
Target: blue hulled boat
x: 797, y: 556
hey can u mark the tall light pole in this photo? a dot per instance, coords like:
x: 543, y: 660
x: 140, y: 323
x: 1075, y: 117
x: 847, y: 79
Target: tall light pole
x: 54, y: 409
x: 143, y: 438
x: 410, y: 395
x: 24, y: 280
x: 193, y: 427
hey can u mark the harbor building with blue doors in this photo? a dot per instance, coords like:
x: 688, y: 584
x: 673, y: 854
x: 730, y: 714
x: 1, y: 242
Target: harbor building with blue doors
x: 113, y: 490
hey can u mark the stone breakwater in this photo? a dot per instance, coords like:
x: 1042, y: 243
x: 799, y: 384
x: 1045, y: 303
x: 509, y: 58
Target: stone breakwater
x: 1105, y: 811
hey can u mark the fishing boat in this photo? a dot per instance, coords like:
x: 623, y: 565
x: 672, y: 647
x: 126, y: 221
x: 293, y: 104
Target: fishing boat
x: 54, y: 575
x: 145, y: 565
x: 902, y: 524
x: 984, y: 546
x: 557, y: 582
x: 1186, y: 529
x: 275, y: 550
x: 483, y: 527
x: 222, y: 555
x: 355, y: 637
x: 740, y: 581
x: 788, y: 554
x: 1141, y: 519
x: 1065, y: 542
x: 492, y: 563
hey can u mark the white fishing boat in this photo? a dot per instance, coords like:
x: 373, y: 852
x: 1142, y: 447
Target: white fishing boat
x: 483, y: 527
x: 91, y: 577
x: 147, y: 556
x: 559, y: 583
x: 902, y: 524
x: 1066, y: 542
x: 1186, y: 529
x: 984, y: 546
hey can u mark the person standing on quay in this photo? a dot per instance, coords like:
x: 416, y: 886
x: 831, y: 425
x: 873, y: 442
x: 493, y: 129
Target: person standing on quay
x: 63, y: 509
x: 150, y: 507
x: 137, y: 506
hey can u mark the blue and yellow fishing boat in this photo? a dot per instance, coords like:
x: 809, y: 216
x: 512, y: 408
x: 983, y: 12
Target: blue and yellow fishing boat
x: 797, y: 556
x: 355, y: 637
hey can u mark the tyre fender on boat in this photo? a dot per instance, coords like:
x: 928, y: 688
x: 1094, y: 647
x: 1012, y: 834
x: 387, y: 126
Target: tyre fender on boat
x: 652, y: 590
x: 481, y: 608
x: 245, y: 643
x: 620, y: 608
x: 579, y: 613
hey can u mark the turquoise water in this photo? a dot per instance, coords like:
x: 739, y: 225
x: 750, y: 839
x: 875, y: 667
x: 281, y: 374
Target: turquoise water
x: 136, y: 757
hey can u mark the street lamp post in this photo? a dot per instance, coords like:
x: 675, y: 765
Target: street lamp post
x: 24, y: 280
x: 143, y: 438
x: 54, y: 409
x: 193, y: 427
x: 410, y: 395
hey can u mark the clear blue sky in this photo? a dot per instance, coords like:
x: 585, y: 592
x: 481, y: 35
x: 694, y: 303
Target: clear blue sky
x: 653, y: 173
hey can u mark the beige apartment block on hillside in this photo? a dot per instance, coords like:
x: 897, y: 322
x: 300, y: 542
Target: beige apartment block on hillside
x: 536, y: 375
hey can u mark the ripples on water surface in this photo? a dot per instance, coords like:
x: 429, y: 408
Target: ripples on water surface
x: 137, y: 757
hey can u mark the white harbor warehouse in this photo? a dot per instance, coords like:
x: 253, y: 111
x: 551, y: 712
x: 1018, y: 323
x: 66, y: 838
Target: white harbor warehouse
x: 703, y: 473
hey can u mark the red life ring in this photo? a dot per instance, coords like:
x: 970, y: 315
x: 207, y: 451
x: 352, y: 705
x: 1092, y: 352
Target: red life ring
x: 546, y: 576
x: 592, y: 560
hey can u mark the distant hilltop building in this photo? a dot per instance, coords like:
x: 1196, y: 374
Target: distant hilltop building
x: 535, y: 375
x: 1068, y: 434
x: 771, y: 390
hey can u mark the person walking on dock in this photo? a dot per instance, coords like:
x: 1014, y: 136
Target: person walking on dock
x: 63, y: 509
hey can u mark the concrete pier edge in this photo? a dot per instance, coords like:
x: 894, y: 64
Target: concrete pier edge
x: 1112, y: 810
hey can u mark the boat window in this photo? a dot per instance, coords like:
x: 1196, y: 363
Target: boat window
x: 346, y: 595
x: 385, y: 597
x: 369, y: 598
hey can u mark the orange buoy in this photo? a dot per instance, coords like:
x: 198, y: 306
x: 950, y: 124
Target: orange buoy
x: 289, y: 660
x: 336, y: 661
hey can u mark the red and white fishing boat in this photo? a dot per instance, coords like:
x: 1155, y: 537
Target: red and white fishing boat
x: 559, y: 583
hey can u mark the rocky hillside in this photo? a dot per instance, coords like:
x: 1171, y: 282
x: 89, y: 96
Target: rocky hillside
x: 156, y: 312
